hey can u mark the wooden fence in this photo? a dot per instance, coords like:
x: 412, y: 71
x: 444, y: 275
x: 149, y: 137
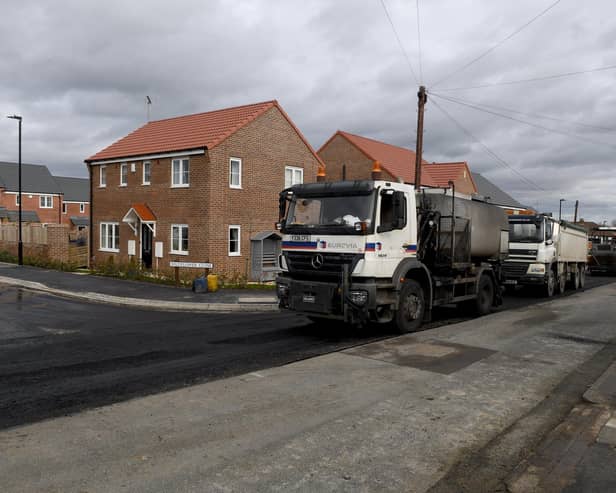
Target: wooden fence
x: 53, y: 242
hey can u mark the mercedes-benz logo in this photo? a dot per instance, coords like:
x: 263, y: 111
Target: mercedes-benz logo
x: 317, y: 261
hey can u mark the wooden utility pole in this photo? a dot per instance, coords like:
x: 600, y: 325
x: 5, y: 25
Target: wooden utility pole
x: 577, y: 203
x: 421, y: 102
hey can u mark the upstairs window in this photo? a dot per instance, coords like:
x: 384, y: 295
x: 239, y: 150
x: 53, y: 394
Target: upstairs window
x: 180, y: 172
x: 235, y: 172
x: 17, y: 199
x: 63, y: 207
x: 123, y: 174
x: 46, y: 202
x: 293, y: 176
x: 102, y: 176
x: 147, y: 170
x: 82, y: 208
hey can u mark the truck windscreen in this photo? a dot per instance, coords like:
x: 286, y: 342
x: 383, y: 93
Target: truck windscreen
x: 330, y: 215
x: 526, y: 231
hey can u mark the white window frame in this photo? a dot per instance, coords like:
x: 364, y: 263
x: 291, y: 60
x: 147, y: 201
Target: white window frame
x: 179, y: 251
x: 239, y: 184
x: 103, y: 246
x: 82, y: 207
x: 149, y: 180
x: 293, y: 170
x: 102, y: 176
x: 64, y: 207
x: 44, y: 198
x: 239, y: 241
x: 123, y: 174
x: 184, y: 161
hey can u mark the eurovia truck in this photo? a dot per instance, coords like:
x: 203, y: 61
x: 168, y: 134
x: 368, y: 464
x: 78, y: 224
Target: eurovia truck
x: 380, y: 251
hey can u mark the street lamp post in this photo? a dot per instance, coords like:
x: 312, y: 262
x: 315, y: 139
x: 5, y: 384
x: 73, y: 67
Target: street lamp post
x: 20, y: 245
x: 560, y: 209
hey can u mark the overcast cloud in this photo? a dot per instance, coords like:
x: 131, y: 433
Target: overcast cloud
x: 78, y: 72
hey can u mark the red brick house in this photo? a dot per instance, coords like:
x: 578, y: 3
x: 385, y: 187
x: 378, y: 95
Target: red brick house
x: 352, y: 157
x: 196, y: 188
x: 46, y: 198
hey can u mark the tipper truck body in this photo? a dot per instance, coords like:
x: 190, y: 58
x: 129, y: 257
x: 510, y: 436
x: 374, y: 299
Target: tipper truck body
x: 380, y: 251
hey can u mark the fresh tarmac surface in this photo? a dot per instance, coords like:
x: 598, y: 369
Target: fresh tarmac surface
x: 393, y: 415
x: 59, y: 356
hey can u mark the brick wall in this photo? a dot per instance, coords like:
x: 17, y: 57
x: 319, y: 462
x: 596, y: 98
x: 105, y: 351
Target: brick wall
x: 209, y: 205
x: 48, y: 242
x: 338, y: 152
x: 57, y: 242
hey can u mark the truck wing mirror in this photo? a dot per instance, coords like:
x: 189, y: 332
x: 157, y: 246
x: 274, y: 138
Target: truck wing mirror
x: 549, y: 241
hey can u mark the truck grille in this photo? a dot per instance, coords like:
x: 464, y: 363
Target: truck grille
x: 514, y: 269
x: 328, y: 266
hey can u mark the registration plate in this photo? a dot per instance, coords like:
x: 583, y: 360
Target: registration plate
x: 511, y: 281
x: 308, y: 298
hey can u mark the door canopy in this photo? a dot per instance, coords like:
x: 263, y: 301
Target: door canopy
x: 140, y: 213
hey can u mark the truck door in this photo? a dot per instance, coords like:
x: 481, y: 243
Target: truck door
x: 392, y: 222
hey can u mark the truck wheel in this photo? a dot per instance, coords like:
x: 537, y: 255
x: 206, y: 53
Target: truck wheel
x: 575, y: 282
x: 562, y: 282
x: 550, y: 282
x: 582, y: 276
x: 411, y: 308
x: 485, y: 296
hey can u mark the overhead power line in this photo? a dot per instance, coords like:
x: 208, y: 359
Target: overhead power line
x: 536, y: 125
x: 534, y: 79
x: 501, y: 42
x: 498, y: 159
x: 408, y: 60
x: 532, y: 115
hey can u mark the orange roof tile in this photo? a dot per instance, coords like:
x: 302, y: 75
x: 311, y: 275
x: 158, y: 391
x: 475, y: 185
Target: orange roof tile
x: 144, y: 212
x: 198, y: 131
x: 442, y: 173
x: 397, y: 161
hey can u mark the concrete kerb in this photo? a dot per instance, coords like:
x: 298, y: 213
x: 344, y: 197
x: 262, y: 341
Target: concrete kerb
x: 160, y: 305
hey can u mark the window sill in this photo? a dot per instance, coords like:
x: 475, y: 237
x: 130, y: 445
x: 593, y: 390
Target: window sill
x: 173, y: 252
x: 235, y: 187
x: 102, y: 186
x: 123, y: 185
x: 112, y: 250
x: 180, y: 186
x: 235, y: 254
x: 146, y: 184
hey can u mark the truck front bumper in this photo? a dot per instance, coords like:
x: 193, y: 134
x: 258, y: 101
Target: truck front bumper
x: 327, y: 299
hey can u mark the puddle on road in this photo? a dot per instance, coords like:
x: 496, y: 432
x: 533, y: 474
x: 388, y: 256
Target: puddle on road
x: 435, y: 356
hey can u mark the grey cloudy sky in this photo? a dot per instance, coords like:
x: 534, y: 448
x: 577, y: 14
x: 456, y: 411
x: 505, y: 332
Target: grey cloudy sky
x: 78, y: 71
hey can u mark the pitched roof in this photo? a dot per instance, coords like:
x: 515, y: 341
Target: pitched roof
x: 13, y: 216
x: 74, y: 189
x: 35, y: 178
x: 494, y: 194
x: 181, y: 133
x: 144, y: 212
x: 397, y: 161
x: 442, y: 173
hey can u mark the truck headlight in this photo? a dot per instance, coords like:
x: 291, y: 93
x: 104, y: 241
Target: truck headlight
x: 358, y: 297
x: 536, y: 269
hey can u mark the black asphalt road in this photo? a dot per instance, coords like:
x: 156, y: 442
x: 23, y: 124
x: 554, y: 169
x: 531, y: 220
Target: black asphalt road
x: 59, y: 356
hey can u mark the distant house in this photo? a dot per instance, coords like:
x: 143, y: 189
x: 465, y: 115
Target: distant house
x: 75, y: 201
x: 45, y: 197
x: 351, y: 157
x: 198, y: 188
x: 493, y: 194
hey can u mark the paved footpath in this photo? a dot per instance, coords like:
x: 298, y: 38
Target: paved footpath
x: 136, y: 294
x: 394, y: 415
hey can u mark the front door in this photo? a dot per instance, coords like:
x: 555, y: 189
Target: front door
x: 146, y: 246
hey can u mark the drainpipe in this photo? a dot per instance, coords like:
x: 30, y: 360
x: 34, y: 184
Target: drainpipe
x: 91, y: 232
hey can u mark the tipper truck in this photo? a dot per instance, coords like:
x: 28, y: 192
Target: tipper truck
x: 545, y: 253
x: 380, y: 251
